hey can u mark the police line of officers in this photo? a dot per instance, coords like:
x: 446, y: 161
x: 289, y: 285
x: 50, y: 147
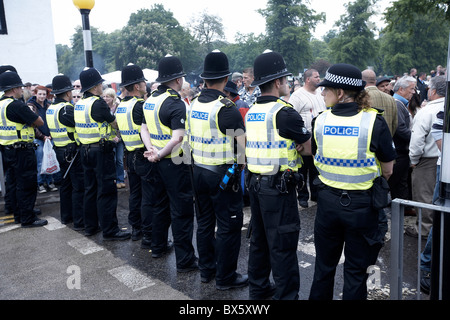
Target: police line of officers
x: 185, y: 162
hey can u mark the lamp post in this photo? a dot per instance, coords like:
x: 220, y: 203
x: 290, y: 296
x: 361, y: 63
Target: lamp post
x: 85, y: 7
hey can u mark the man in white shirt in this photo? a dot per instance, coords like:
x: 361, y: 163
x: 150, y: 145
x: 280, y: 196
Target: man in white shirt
x: 308, y: 102
x: 424, y: 153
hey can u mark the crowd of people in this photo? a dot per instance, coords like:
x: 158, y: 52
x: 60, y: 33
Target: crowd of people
x: 261, y: 137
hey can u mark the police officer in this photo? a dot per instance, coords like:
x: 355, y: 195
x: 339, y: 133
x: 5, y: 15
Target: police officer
x: 129, y: 115
x: 93, y: 124
x: 163, y: 131
x: 18, y: 150
x: 215, y: 126
x: 354, y: 146
x: 61, y: 122
x: 275, y: 135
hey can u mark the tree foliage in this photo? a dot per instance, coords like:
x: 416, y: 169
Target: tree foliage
x: 355, y: 43
x: 289, y: 24
x: 419, y: 43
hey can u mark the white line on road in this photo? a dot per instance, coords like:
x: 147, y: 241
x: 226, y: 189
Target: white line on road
x: 132, y: 278
x: 85, y: 246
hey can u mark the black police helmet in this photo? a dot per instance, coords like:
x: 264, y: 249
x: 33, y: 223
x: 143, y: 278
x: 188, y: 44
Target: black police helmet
x: 132, y: 74
x: 269, y: 66
x: 344, y: 76
x: 89, y: 78
x: 215, y: 66
x: 5, y: 68
x: 10, y: 80
x: 61, y: 84
x: 169, y: 68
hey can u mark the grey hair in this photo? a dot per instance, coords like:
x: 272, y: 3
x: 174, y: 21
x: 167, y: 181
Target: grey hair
x: 439, y: 84
x: 404, y: 83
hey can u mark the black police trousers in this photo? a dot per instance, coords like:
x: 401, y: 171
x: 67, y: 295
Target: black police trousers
x: 140, y: 204
x: 173, y: 203
x: 275, y: 226
x: 218, y: 251
x: 71, y: 191
x: 350, y: 220
x: 20, y: 167
x: 100, y: 196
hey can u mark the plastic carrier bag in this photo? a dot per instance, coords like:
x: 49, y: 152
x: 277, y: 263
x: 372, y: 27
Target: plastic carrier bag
x: 50, y: 164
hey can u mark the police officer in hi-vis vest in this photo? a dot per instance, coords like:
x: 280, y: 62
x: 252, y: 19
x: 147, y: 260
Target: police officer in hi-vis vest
x: 93, y: 124
x: 163, y: 131
x: 129, y: 116
x: 354, y: 148
x: 18, y: 150
x: 276, y: 136
x: 61, y: 122
x: 216, y: 125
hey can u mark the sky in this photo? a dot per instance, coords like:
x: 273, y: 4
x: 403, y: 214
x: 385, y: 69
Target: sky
x: 237, y: 15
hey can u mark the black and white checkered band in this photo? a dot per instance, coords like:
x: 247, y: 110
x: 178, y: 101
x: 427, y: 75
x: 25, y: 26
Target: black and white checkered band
x: 343, y: 80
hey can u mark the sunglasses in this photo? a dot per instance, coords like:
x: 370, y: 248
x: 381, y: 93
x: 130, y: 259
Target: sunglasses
x: 77, y: 96
x: 77, y: 86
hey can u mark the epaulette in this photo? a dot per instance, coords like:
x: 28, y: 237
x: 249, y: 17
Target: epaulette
x: 380, y: 111
x: 227, y: 102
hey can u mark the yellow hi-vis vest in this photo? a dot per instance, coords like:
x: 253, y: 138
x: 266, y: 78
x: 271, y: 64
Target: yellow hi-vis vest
x: 58, y: 131
x: 208, y: 144
x: 12, y: 132
x: 267, y: 152
x: 343, y: 158
x: 89, y: 131
x: 160, y: 135
x: 129, y: 130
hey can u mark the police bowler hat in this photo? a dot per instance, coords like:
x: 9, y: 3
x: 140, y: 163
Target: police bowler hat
x: 269, y: 66
x: 89, y: 78
x: 231, y: 87
x: 10, y: 80
x: 215, y: 66
x: 61, y: 84
x: 344, y: 76
x: 132, y: 74
x: 169, y: 68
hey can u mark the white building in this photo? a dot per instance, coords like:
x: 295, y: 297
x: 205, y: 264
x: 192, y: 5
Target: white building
x: 27, y: 41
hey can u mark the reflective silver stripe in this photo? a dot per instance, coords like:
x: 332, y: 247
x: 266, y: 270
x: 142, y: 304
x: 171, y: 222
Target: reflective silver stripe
x: 212, y: 118
x: 132, y: 143
x: 9, y: 138
x: 162, y: 98
x: 320, y: 121
x: 212, y: 155
x: 267, y: 162
x: 88, y: 136
x: 346, y: 178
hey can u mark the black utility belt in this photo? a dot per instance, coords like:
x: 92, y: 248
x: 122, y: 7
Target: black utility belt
x: 22, y: 145
x: 342, y: 191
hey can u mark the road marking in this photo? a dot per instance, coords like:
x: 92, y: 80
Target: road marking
x: 9, y: 228
x: 131, y: 277
x: 85, y: 246
x: 53, y: 224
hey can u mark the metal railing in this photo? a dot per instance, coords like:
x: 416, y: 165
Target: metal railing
x: 397, y: 225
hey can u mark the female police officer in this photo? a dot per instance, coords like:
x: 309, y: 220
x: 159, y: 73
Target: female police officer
x: 354, y: 147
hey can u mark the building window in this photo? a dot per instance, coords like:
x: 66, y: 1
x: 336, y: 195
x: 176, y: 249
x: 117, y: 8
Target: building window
x: 3, y: 28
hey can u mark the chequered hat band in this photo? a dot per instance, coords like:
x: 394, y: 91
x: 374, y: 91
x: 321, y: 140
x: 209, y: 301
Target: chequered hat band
x: 343, y: 80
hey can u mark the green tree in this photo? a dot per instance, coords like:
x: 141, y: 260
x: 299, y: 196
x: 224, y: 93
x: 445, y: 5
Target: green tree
x: 289, y: 24
x: 243, y: 52
x: 144, y: 44
x: 182, y: 40
x: 420, y: 43
x: 207, y: 29
x: 355, y: 43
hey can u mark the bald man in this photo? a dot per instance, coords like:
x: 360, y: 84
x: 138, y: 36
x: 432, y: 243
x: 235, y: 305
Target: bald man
x: 381, y: 100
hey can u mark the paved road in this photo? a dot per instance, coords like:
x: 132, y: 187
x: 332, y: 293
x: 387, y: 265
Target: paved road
x: 56, y: 262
